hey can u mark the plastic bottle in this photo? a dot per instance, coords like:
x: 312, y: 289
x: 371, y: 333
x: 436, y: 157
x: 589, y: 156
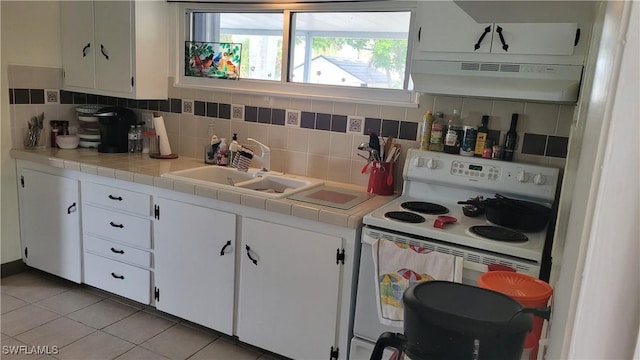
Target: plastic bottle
x: 437, y: 129
x: 481, y: 137
x: 210, y: 145
x: 425, y: 131
x: 510, y: 139
x: 221, y: 154
x: 139, y: 138
x: 234, y: 147
x: 132, y: 137
x: 453, y: 135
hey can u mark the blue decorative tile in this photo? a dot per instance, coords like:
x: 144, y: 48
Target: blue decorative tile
x: 199, y: 108
x: 176, y: 105
x: 264, y: 115
x: 37, y: 96
x: 153, y: 105
x: 66, y: 97
x: 142, y: 104
x: 21, y: 96
x: 113, y: 101
x: 308, y: 120
x: 251, y: 113
x: 390, y: 128
x: 339, y: 123
x: 131, y: 103
x: 372, y: 125
x: 92, y: 99
x: 277, y: 116
x: 79, y: 98
x: 212, y: 109
x: 224, y: 111
x: 557, y: 146
x: 102, y: 100
x: 323, y: 121
x: 408, y: 130
x: 122, y: 102
x: 534, y: 144
x: 164, y: 105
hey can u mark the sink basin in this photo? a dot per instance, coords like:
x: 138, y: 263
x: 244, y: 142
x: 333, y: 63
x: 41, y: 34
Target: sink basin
x: 254, y: 181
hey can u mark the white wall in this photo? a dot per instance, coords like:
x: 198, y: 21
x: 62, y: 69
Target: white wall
x: 30, y: 33
x: 597, y: 295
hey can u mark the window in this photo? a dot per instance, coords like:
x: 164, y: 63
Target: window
x: 332, y: 50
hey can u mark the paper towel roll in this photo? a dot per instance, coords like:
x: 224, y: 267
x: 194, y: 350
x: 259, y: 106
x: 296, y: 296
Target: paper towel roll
x: 161, y: 132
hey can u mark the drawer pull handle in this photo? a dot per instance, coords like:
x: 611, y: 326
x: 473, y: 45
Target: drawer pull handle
x: 119, y: 198
x: 117, y: 251
x: 71, y: 208
x: 255, y: 262
x: 116, y: 225
x: 121, y: 277
x: 225, y: 247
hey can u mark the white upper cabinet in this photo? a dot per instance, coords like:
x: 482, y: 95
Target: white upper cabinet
x: 445, y: 27
x: 115, y: 48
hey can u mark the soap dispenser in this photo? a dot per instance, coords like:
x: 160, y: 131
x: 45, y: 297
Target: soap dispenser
x: 234, y: 147
x: 221, y: 155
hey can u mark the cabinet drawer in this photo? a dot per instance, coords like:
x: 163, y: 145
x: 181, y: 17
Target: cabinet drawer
x: 116, y: 198
x: 117, y: 251
x: 117, y: 226
x: 118, y: 278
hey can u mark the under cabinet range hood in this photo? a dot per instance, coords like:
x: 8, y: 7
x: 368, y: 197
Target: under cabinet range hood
x: 535, y: 82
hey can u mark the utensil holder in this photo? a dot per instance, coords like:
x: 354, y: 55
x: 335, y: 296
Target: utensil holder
x: 381, y: 178
x: 32, y: 139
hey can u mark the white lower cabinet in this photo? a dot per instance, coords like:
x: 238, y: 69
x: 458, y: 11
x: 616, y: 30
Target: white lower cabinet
x: 50, y: 223
x: 195, y: 263
x: 289, y: 290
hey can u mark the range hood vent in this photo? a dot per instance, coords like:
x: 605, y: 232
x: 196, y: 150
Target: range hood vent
x: 536, y: 82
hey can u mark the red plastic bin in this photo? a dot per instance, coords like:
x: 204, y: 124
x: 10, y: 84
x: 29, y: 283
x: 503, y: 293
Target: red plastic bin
x: 527, y: 290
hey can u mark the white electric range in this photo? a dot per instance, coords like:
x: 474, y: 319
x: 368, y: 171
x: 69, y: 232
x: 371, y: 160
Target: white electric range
x: 442, y: 180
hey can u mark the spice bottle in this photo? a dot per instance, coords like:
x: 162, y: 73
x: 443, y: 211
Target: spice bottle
x: 510, y: 139
x: 487, y: 152
x: 481, y: 136
x: 437, y: 129
x: 425, y: 131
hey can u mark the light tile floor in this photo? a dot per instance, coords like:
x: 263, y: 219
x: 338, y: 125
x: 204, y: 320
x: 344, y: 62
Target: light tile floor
x: 82, y: 322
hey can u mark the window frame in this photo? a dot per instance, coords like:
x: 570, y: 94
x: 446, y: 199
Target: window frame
x: 283, y: 87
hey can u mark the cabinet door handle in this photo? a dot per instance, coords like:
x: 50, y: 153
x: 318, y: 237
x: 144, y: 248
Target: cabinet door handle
x: 116, y: 225
x: 117, y: 251
x: 103, y: 53
x: 116, y: 276
x: 255, y: 262
x: 119, y: 198
x: 85, y: 48
x: 505, y: 47
x: 419, y: 33
x: 224, y: 247
x: 71, y: 208
x: 477, y: 45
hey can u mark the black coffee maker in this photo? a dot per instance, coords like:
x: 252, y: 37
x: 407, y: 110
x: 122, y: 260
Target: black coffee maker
x: 447, y: 320
x: 114, y: 125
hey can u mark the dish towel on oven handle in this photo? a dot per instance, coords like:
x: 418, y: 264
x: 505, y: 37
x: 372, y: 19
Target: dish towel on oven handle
x: 398, y: 266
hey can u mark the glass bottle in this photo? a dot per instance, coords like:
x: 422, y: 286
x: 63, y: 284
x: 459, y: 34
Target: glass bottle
x: 437, y: 129
x: 425, y: 131
x: 481, y: 136
x: 453, y: 135
x: 510, y: 139
x: 138, y: 138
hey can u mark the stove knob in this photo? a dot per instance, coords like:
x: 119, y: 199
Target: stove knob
x: 539, y: 179
x: 522, y: 177
x: 432, y: 164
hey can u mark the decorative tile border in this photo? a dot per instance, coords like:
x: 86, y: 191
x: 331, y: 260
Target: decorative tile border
x: 533, y: 144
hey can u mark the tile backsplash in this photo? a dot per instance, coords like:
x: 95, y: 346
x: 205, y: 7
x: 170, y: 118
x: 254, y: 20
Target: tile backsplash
x: 307, y: 137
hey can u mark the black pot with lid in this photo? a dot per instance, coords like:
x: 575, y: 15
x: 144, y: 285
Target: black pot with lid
x: 447, y: 320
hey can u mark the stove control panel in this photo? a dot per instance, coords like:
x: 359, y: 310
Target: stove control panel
x: 530, y: 181
x: 473, y: 170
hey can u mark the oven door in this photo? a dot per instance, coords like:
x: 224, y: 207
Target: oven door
x: 367, y: 327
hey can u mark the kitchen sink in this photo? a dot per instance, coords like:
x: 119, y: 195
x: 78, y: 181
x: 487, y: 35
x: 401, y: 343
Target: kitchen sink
x: 254, y: 181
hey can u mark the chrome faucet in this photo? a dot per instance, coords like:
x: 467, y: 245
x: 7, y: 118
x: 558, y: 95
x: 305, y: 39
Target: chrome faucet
x: 265, y: 157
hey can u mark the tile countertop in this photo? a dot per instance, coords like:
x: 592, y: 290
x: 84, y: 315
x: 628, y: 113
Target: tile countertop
x: 141, y: 169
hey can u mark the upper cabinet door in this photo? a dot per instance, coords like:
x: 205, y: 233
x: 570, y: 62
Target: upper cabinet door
x: 113, y: 36
x: 444, y: 27
x: 78, y: 48
x: 535, y: 39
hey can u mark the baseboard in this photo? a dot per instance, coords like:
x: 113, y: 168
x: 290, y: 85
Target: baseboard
x: 12, y: 268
